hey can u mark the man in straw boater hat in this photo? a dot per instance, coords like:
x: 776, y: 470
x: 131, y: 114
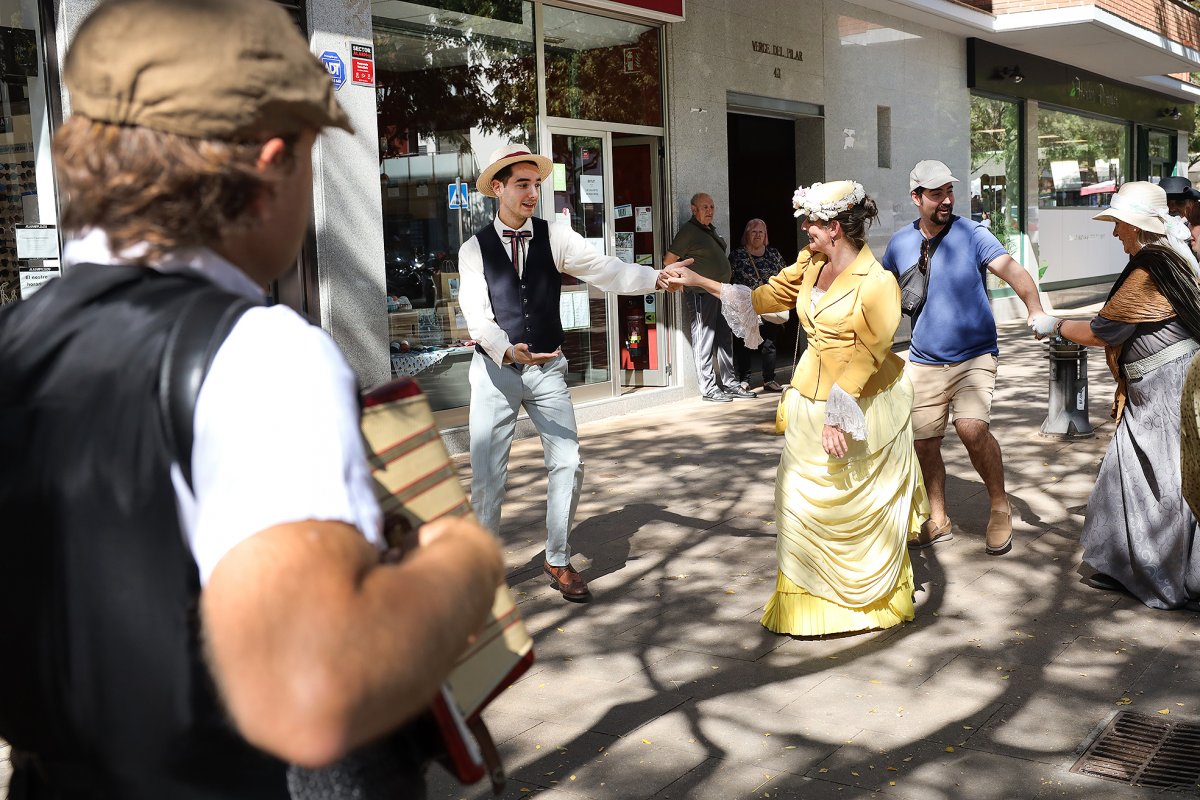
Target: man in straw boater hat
x: 511, y: 276
x: 180, y: 627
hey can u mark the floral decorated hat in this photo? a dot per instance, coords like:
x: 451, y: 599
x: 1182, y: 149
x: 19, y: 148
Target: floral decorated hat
x: 824, y: 201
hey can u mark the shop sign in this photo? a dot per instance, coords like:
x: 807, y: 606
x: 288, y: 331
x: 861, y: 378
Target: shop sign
x: 336, y: 68
x: 1092, y: 92
x: 665, y: 10
x: 362, y: 65
x: 795, y: 54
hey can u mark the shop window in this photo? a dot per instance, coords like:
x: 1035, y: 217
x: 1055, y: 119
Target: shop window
x: 602, y: 69
x: 455, y: 79
x: 28, y: 236
x: 996, y: 168
x: 1157, y: 150
x: 1082, y: 161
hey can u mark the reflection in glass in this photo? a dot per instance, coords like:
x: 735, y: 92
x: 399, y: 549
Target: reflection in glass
x: 996, y: 168
x: 1082, y: 161
x: 454, y: 79
x: 578, y: 185
x: 601, y: 69
x: 1160, y: 155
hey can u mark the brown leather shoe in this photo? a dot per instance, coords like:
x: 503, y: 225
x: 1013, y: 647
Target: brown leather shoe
x: 568, y: 581
x: 930, y: 534
x: 999, y: 533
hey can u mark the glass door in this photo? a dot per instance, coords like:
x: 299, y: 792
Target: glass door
x: 605, y: 185
x: 579, y: 192
x: 642, y: 335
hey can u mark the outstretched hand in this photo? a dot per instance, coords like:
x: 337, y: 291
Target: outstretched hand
x: 671, y: 271
x: 521, y: 355
x: 678, y: 275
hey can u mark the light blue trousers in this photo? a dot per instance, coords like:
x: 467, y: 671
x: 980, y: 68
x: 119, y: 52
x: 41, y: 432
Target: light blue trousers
x: 497, y: 394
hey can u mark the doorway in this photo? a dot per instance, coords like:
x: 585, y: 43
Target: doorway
x: 762, y: 178
x: 606, y: 185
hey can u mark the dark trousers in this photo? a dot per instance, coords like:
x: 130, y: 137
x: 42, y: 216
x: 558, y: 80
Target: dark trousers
x: 770, y: 333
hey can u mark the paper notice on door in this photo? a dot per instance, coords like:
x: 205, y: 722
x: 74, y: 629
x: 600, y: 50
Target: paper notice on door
x: 574, y: 310
x: 560, y: 177
x: 623, y: 211
x: 591, y: 188
x: 36, y: 241
x: 33, y: 278
x: 643, y: 221
x: 625, y: 246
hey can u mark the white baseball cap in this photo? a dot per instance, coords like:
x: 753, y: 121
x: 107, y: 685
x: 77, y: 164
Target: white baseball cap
x: 929, y: 175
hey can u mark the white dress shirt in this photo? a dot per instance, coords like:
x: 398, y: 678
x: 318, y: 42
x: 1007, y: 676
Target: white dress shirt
x: 572, y: 255
x: 276, y: 433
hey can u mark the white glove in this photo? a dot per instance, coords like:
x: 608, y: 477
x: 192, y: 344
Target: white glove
x: 1043, y: 325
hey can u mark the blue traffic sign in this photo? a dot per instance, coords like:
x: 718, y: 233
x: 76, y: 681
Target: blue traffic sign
x: 337, y: 68
x: 457, y: 195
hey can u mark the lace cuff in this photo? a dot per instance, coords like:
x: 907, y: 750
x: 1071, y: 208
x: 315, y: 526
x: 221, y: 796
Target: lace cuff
x: 737, y: 304
x: 842, y: 410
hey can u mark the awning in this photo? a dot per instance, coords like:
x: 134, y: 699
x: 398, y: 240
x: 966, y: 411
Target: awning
x: 660, y: 10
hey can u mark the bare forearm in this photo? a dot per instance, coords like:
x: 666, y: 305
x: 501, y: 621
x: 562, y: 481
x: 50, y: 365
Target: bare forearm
x: 319, y: 648
x: 1079, y: 331
x: 1012, y: 273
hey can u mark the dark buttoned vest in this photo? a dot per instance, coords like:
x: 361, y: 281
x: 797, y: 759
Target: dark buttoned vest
x: 525, y: 306
x: 104, y: 692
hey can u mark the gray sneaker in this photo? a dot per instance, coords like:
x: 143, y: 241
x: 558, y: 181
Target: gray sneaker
x: 738, y: 393
x: 717, y: 397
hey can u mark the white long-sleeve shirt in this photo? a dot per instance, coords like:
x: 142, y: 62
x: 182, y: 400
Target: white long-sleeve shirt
x: 572, y: 255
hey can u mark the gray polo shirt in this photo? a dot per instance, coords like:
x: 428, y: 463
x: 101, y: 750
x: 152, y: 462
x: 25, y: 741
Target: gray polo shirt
x: 703, y: 243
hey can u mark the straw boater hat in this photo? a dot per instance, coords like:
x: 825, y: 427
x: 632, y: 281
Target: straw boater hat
x: 507, y: 154
x: 1141, y: 204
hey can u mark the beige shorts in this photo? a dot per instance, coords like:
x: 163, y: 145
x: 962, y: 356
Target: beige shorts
x: 963, y: 390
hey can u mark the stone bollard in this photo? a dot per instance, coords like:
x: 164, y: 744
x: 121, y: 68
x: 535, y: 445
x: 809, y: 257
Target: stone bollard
x: 1067, y: 417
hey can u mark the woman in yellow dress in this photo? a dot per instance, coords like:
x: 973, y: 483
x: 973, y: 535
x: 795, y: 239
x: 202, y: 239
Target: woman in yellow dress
x: 848, y: 494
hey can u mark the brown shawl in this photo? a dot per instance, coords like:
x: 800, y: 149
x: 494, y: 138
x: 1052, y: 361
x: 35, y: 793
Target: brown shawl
x: 1156, y: 285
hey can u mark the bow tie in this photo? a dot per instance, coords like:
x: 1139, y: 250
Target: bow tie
x: 514, y: 237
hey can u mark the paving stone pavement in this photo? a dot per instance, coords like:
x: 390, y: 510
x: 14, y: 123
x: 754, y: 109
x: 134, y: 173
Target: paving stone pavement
x: 666, y: 686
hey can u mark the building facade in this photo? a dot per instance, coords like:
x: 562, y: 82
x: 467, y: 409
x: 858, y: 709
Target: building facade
x: 1042, y: 109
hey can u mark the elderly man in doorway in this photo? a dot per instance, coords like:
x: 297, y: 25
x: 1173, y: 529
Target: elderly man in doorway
x: 710, y: 335
x: 953, y: 352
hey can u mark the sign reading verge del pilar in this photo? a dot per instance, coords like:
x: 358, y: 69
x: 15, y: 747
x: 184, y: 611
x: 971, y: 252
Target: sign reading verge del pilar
x: 795, y: 54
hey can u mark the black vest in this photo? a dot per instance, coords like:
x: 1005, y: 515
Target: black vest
x: 103, y: 688
x: 526, y: 308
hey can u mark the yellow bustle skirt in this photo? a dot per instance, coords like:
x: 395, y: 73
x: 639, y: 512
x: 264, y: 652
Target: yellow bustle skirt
x: 844, y: 523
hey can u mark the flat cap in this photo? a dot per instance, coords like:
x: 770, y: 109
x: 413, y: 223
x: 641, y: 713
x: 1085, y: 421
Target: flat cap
x: 210, y: 69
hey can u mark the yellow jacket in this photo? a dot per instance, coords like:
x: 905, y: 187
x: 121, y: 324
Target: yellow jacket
x: 851, y: 330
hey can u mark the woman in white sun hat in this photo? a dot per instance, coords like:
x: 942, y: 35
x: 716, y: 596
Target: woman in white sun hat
x: 1139, y: 534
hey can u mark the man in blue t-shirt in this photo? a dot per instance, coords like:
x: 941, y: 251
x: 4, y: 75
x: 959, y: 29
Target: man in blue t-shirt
x: 953, y: 353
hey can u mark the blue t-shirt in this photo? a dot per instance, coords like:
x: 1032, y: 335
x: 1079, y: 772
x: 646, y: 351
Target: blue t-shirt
x: 956, y: 323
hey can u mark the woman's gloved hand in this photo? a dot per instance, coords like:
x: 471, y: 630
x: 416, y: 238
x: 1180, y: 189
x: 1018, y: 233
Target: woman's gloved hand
x: 1043, y: 325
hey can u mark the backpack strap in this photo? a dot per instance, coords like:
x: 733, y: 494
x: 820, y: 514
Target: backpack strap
x: 192, y: 344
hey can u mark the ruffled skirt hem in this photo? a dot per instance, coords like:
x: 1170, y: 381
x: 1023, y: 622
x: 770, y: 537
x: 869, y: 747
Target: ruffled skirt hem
x: 792, y: 610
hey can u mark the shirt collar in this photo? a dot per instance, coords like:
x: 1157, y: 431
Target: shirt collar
x: 501, y: 227
x: 93, y: 248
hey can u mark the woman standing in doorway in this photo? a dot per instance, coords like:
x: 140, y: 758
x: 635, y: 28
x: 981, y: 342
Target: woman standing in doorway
x: 753, y: 264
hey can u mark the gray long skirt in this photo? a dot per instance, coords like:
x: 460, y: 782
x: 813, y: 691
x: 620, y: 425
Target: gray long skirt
x: 1138, y: 528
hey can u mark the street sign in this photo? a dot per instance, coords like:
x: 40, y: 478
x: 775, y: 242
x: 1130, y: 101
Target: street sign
x: 336, y: 67
x: 458, y: 195
x: 362, y: 65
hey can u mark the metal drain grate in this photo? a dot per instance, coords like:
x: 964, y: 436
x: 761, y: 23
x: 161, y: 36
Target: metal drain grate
x: 1145, y: 751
